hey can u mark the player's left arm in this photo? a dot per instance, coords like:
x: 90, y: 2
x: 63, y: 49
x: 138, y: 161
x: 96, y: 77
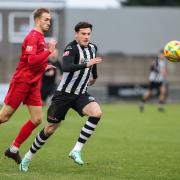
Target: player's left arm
x: 94, y: 74
x: 164, y: 72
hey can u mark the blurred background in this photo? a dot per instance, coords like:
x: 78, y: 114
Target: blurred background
x: 128, y: 33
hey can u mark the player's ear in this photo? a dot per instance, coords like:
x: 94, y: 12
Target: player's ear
x: 75, y: 34
x: 37, y: 20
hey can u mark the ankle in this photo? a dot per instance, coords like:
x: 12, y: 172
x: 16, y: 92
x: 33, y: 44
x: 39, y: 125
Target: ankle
x: 13, y: 149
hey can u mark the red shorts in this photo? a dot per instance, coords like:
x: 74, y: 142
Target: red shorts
x: 21, y: 92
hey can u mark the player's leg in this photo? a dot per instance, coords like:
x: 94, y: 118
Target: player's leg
x: 39, y: 141
x: 162, y: 96
x: 93, y: 110
x: 16, y: 94
x: 36, y: 115
x: 26, y: 129
x: 146, y: 96
x: 34, y: 105
x: 56, y: 113
x: 5, y: 113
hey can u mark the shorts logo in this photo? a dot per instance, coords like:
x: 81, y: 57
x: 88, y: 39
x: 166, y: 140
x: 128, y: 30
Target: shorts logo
x: 52, y: 118
x: 29, y: 48
x: 91, y: 98
x: 66, y: 53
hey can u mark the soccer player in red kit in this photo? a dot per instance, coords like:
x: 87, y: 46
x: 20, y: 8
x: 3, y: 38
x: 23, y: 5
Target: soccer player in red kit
x: 25, y: 83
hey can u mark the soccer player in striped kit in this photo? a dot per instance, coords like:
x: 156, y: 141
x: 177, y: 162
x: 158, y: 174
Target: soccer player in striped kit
x: 79, y: 71
x: 25, y: 84
x: 157, y: 81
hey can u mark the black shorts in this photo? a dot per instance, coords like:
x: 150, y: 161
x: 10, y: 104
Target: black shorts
x: 62, y: 102
x: 155, y: 85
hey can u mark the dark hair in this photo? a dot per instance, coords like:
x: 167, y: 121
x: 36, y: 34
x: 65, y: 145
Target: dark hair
x: 161, y: 51
x: 38, y: 12
x: 82, y: 25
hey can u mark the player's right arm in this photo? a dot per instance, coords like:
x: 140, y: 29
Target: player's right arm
x: 68, y: 59
x: 68, y: 64
x: 31, y: 51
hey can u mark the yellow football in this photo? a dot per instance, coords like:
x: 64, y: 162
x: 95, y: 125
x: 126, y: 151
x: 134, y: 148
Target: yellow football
x: 172, y: 51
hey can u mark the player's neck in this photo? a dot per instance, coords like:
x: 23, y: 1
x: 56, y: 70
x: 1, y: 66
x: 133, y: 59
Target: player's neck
x: 38, y: 29
x: 82, y: 46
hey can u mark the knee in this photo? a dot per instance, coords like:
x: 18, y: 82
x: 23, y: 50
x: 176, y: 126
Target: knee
x: 97, y: 114
x: 3, y: 118
x: 37, y: 120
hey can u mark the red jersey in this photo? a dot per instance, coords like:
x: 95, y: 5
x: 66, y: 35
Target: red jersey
x: 33, y: 60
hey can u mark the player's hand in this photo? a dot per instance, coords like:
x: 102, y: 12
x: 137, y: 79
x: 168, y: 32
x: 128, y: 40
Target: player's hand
x: 49, y: 66
x: 52, y: 45
x: 93, y: 61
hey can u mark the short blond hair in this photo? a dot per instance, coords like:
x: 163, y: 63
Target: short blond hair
x: 38, y: 12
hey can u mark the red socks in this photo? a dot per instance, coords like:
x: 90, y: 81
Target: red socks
x: 24, y: 133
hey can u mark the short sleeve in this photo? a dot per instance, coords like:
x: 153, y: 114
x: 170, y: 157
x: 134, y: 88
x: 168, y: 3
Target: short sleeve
x: 96, y: 48
x: 69, y: 51
x: 31, y: 45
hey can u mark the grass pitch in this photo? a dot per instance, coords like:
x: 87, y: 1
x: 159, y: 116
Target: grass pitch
x: 127, y: 145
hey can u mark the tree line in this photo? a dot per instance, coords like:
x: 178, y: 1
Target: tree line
x: 151, y: 3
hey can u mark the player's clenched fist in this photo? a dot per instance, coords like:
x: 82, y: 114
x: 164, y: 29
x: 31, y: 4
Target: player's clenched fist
x: 93, y: 61
x: 52, y: 45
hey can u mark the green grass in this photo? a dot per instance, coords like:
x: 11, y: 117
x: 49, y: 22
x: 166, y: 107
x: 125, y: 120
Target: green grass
x: 127, y: 145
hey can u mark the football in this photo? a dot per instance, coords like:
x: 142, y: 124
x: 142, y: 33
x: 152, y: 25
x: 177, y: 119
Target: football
x: 172, y: 51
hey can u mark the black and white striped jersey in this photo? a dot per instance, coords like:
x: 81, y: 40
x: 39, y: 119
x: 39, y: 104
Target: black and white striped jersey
x: 76, y: 75
x: 156, y: 70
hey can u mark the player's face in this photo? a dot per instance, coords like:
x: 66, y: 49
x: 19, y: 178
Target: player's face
x: 161, y: 56
x: 44, y: 22
x: 83, y: 36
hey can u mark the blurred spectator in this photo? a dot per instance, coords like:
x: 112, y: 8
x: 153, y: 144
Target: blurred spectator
x: 157, y: 81
x: 51, y: 77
